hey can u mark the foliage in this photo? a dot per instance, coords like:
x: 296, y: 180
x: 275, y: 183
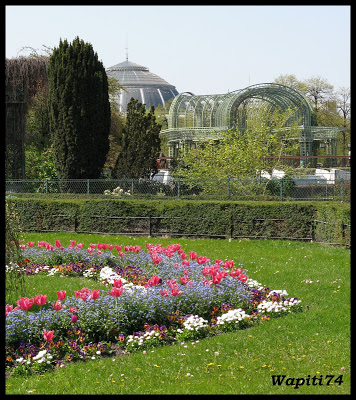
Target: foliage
x: 241, y: 154
x: 24, y: 78
x: 221, y: 218
x: 79, y: 110
x: 39, y: 164
x: 140, y: 144
x: 188, y: 285
x: 14, y: 259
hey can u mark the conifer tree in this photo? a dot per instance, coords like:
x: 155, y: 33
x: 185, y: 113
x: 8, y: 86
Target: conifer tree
x: 79, y: 110
x: 140, y: 144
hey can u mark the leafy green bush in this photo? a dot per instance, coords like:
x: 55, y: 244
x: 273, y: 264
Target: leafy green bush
x: 15, y: 277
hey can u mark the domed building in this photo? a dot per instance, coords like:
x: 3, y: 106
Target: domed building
x: 141, y: 84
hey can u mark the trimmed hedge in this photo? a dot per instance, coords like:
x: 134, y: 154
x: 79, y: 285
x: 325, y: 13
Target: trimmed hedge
x: 294, y: 220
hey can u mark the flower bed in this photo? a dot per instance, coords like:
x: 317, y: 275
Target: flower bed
x: 144, y: 299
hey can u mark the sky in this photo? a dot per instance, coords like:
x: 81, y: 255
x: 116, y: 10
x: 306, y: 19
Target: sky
x: 198, y: 49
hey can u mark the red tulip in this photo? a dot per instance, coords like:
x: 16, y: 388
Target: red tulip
x: 74, y: 318
x: 80, y: 245
x: 110, y: 246
x: 61, y: 294
x: 94, y: 294
x: 40, y: 299
x: 193, y: 255
x: 31, y: 244
x: 58, y: 243
x: 116, y: 292
x: 72, y: 243
x: 118, y: 247
x: 57, y: 305
x: 48, y: 336
x: 25, y: 303
x: 73, y: 309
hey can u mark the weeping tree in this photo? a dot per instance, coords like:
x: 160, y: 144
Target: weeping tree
x: 24, y: 78
x: 79, y: 110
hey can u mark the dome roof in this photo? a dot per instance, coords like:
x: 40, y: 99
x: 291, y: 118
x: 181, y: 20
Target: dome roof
x: 141, y: 84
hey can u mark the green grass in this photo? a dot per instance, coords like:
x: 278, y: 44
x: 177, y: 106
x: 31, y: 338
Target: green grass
x: 312, y: 343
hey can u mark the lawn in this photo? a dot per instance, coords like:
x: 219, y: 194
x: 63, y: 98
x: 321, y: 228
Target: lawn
x: 313, y: 346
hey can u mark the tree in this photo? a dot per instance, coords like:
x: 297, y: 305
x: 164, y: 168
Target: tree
x: 291, y: 80
x: 343, y: 98
x: 140, y: 145
x: 79, y: 110
x: 241, y: 155
x: 318, y: 91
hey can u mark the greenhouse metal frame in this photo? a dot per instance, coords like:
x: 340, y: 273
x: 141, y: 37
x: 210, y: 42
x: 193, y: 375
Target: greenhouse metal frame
x: 194, y: 119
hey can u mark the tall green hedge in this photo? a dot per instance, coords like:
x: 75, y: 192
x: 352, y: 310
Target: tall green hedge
x: 295, y: 220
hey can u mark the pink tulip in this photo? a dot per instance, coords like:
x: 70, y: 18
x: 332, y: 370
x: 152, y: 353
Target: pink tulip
x: 95, y: 294
x: 193, y: 255
x: 176, y: 292
x: 117, y: 283
x: 57, y: 305
x: 236, y: 272
x: 61, y: 294
x: 40, y: 299
x: 116, y: 292
x: 58, y: 243
x: 110, y: 246
x: 80, y: 245
x: 242, y: 278
x: 164, y: 292
x: 82, y: 293
x: 74, y: 318
x: 155, y: 280
x: 25, y: 303
x: 31, y: 244
x: 8, y: 308
x: 48, y: 336
x: 72, y: 242
x: 118, y: 247
x: 228, y: 264
x: 184, y: 279
x: 73, y: 309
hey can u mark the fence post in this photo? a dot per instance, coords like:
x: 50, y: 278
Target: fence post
x: 88, y: 188
x: 132, y: 186
x: 150, y: 226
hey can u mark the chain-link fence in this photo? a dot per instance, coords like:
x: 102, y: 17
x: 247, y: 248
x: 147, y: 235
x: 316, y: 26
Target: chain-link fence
x: 306, y: 188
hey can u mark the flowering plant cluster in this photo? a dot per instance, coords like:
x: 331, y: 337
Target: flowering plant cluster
x: 168, y: 293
